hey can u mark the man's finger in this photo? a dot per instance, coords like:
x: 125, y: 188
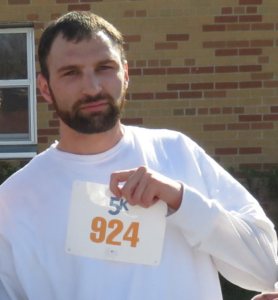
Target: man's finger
x: 116, y: 178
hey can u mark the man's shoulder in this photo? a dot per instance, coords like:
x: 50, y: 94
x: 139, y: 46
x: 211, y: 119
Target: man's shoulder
x: 160, y: 135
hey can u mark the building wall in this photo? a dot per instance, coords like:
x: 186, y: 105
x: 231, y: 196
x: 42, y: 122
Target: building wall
x: 207, y: 68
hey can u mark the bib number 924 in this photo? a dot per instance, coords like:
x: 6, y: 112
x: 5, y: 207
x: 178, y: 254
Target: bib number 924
x: 99, y: 232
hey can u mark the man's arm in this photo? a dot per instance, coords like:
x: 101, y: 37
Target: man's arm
x: 228, y: 224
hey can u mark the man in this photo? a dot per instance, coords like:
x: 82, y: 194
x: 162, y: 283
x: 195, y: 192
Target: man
x: 130, y: 250
x: 266, y: 296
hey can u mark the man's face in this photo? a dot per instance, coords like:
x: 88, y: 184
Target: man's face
x: 87, y: 83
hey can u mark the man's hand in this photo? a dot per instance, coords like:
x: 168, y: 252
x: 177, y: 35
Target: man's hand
x: 267, y: 296
x: 145, y: 187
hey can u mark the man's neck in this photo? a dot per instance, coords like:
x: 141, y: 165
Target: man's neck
x: 88, y: 144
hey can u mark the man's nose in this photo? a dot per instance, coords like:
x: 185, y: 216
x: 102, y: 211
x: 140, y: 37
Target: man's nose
x: 91, y: 84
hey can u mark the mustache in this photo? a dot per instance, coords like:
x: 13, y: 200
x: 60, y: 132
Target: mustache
x: 98, y: 97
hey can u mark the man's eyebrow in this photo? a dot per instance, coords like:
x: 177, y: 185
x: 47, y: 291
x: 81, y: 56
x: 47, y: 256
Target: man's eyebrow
x: 67, y: 68
x: 71, y: 67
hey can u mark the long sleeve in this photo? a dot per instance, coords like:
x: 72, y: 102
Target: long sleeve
x: 10, y: 288
x: 229, y: 224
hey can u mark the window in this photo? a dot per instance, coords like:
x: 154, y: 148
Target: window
x: 18, y: 130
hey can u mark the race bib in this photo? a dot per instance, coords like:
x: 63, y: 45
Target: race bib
x: 104, y: 227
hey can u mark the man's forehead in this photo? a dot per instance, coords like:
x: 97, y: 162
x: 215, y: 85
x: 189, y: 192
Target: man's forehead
x: 98, y: 42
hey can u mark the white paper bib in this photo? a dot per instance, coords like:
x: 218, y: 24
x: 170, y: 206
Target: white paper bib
x: 104, y: 227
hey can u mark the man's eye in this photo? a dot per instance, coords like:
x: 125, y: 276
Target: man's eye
x: 102, y: 68
x: 70, y: 73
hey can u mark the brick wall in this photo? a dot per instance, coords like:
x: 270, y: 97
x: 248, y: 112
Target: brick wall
x: 204, y: 67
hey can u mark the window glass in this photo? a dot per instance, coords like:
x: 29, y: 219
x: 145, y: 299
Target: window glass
x: 13, y: 56
x: 14, y: 118
x: 18, y: 126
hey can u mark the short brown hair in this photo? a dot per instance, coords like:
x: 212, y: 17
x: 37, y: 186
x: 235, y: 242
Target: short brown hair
x: 76, y: 26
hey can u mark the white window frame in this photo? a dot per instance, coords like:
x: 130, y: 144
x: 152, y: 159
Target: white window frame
x: 29, y: 83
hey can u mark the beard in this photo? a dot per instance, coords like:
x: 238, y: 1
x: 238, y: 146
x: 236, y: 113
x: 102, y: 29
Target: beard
x: 93, y: 122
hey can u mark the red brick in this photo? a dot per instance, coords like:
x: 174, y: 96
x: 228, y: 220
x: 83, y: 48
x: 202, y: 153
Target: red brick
x: 55, y: 16
x: 215, y: 94
x: 269, y: 166
x: 251, y: 18
x: 32, y: 17
x: 202, y: 70
x: 251, y: 10
x: 189, y: 95
x: 173, y: 71
x: 226, y: 69
x: 226, y: 19
x: 226, y: 10
x: 238, y: 126
x: 165, y: 46
x: 272, y: 117
x: 250, y: 150
x: 129, y: 13
x: 190, y: 111
x: 238, y: 27
x: 215, y: 111
x: 135, y: 72
x: 203, y: 111
x: 38, y: 25
x: 166, y: 95
x: 177, y: 86
x: 250, y: 118
x: 226, y: 52
x: 226, y: 85
x: 250, y: 2
x: 227, y: 110
x: 132, y: 38
x: 54, y: 123
x: 262, y: 43
x: 250, y: 84
x: 263, y: 26
x: 250, y: 68
x: 237, y: 44
x: 18, y: 2
x: 202, y: 86
x: 141, y: 13
x: 67, y: 1
x: 154, y: 71
x: 177, y: 37
x: 42, y: 139
x: 48, y: 131
x: 142, y: 96
x: 226, y: 151
x: 239, y: 110
x: 132, y: 121
x: 271, y: 84
x: 262, y: 126
x: 252, y: 51
x: 214, y: 44
x: 79, y: 7
x: 274, y: 109
x: 207, y: 28
x: 214, y: 127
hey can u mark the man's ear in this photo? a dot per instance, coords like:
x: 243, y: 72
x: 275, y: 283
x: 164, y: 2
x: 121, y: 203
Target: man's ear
x: 126, y: 73
x: 44, y: 88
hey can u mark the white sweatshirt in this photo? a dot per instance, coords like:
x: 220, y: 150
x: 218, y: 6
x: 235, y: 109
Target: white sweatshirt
x: 219, y: 227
